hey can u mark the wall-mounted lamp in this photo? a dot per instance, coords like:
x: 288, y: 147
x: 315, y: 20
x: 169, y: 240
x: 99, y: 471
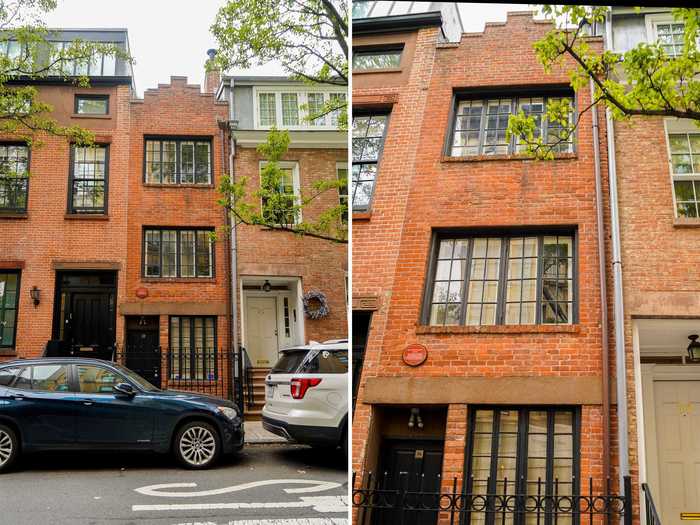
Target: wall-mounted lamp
x: 267, y: 286
x: 415, y: 420
x: 35, y: 294
x: 693, y: 349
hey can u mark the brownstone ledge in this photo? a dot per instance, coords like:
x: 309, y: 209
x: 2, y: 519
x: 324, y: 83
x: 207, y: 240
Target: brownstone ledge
x: 86, y: 217
x: 14, y: 216
x: 686, y: 222
x: 361, y: 216
x: 501, y: 329
x: 509, y: 157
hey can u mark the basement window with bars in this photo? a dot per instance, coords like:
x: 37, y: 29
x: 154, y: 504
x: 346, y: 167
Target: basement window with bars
x: 178, y: 253
x: 480, y: 126
x: 178, y: 161
x: 193, y: 348
x: 516, y: 279
x: 14, y: 178
x: 532, y: 451
x: 685, y: 166
x: 88, y: 179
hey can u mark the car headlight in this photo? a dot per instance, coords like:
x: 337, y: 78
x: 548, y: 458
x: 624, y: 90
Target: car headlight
x: 228, y: 412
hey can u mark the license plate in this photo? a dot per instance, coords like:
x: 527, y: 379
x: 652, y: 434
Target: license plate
x: 270, y: 391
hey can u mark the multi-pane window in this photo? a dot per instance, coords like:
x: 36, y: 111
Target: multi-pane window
x: 178, y: 161
x: 9, y: 298
x: 88, y: 180
x: 178, y: 253
x: 480, y: 126
x: 685, y: 166
x: 292, y: 109
x: 14, y: 180
x: 193, y: 348
x: 516, y: 279
x: 286, y: 213
x: 376, y: 59
x: 337, y: 100
x: 670, y: 36
x: 368, y: 133
x: 532, y: 451
x: 92, y: 104
x: 342, y: 173
x: 98, y: 64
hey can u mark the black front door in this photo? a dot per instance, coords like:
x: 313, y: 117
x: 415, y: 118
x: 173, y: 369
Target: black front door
x: 143, y: 349
x: 411, y: 472
x: 85, y: 313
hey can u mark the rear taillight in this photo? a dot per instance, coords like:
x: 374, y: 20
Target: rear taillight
x: 299, y: 386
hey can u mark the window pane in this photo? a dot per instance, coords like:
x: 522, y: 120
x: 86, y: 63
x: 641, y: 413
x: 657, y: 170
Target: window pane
x: 97, y: 380
x: 169, y: 162
x: 14, y: 160
x: 202, y: 163
x: 92, y: 106
x: 448, y: 283
x: 152, y: 259
x: 187, y: 162
x: 187, y: 253
x: 290, y: 109
x: 267, y: 115
x: 88, y: 180
x: 49, y: 378
x: 169, y: 253
x: 315, y: 103
x: 204, y: 249
x: 376, y: 59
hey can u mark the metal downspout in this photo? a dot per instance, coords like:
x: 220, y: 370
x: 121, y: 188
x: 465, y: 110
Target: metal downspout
x: 233, y: 235
x: 604, y: 326
x: 618, y: 304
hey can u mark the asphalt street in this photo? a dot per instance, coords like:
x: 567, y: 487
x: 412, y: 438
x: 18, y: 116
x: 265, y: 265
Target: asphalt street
x: 264, y: 485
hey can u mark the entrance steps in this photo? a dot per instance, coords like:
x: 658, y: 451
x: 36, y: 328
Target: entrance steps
x: 258, y: 376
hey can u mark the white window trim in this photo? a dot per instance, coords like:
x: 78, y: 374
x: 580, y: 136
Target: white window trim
x: 296, y: 183
x: 682, y: 126
x: 302, y: 99
x: 653, y: 20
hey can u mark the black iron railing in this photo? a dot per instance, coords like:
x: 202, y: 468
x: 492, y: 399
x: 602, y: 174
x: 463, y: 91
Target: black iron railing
x: 652, y: 514
x: 388, y: 500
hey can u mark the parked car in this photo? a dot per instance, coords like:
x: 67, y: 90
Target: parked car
x: 89, y: 404
x: 306, y: 395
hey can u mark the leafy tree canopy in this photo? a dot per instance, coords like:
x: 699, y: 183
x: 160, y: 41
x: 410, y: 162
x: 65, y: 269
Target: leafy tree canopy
x: 647, y: 80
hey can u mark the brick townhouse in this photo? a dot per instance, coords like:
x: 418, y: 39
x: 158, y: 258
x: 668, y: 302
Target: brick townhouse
x: 121, y: 251
x: 476, y: 272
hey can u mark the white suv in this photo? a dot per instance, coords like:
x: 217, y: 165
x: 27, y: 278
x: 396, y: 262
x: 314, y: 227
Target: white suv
x: 306, y: 395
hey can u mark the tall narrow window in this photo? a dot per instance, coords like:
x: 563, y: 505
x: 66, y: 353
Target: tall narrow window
x: 516, y: 279
x: 14, y: 180
x: 342, y: 173
x: 178, y: 161
x: 368, y: 133
x: 670, y: 36
x: 338, y: 100
x: 267, y: 109
x: 88, y: 188
x: 9, y: 300
x: 193, y: 348
x: 178, y: 253
x: 286, y: 212
x: 685, y: 165
x: 290, y: 109
x: 316, y: 107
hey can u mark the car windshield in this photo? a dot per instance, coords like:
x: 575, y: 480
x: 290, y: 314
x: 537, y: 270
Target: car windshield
x: 137, y: 379
x: 289, y: 362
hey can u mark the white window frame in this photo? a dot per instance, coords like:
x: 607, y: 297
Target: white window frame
x: 683, y: 127
x: 296, y: 182
x: 302, y: 100
x: 652, y: 21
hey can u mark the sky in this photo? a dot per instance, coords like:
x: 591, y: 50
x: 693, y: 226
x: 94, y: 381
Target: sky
x: 171, y: 37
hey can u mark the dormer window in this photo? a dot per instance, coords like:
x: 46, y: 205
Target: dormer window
x: 98, y: 65
x: 289, y: 109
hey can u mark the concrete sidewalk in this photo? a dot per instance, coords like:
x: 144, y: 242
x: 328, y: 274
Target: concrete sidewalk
x: 255, y: 434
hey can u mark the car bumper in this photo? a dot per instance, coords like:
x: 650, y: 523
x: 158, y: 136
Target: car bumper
x: 233, y: 436
x: 310, y: 435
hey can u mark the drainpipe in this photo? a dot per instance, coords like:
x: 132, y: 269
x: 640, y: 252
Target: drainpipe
x: 603, y: 289
x: 233, y: 234
x: 618, y: 305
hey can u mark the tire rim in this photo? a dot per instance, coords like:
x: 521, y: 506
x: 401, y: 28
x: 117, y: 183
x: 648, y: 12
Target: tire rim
x: 5, y: 447
x: 197, y: 446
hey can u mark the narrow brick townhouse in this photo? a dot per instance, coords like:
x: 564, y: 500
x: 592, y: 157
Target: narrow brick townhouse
x: 656, y: 167
x: 276, y: 269
x: 477, y: 274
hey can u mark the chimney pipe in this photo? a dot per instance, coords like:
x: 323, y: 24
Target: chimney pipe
x: 212, y: 74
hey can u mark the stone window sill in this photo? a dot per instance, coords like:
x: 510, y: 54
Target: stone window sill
x: 380, y: 70
x: 86, y: 216
x: 8, y: 215
x: 88, y: 115
x: 178, y: 279
x: 508, y: 157
x: 686, y: 222
x: 361, y: 215
x: 176, y: 186
x: 8, y: 352
x: 501, y: 329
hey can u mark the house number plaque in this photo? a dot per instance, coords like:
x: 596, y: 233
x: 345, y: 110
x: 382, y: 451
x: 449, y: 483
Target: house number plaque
x: 415, y: 355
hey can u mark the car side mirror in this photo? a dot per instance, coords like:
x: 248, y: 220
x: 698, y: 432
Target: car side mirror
x: 124, y: 389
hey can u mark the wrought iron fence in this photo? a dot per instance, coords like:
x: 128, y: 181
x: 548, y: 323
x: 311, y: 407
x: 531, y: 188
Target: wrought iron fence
x: 389, y: 500
x: 652, y: 515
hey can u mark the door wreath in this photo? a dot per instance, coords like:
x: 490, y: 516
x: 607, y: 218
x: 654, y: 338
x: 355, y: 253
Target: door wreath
x: 315, y: 305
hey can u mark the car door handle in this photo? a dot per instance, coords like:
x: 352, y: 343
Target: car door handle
x: 19, y: 397
x: 88, y: 402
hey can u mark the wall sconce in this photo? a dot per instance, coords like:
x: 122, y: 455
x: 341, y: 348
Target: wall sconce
x: 693, y: 349
x: 415, y: 420
x: 35, y: 294
x: 267, y: 286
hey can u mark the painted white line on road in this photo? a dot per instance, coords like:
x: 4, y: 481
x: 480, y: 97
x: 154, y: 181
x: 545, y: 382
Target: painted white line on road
x: 323, y: 504
x: 158, y: 490
x: 293, y: 521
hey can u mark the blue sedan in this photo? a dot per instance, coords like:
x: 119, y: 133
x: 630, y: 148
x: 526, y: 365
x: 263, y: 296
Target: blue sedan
x: 88, y: 404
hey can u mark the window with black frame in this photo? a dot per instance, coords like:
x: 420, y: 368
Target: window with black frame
x: 193, y: 348
x: 88, y: 179
x: 376, y: 58
x: 9, y: 300
x: 91, y: 104
x: 480, y: 125
x: 368, y: 133
x: 178, y: 253
x: 178, y: 161
x: 14, y: 177
x: 513, y: 279
x: 526, y: 451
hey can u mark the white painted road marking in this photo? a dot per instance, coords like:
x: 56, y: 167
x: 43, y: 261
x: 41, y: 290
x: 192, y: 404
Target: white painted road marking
x: 157, y: 490
x: 323, y: 504
x: 293, y: 521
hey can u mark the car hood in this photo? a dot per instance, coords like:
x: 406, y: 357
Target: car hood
x: 195, y: 398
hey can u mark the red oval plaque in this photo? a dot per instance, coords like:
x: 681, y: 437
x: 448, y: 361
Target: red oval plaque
x: 415, y: 355
x: 142, y: 292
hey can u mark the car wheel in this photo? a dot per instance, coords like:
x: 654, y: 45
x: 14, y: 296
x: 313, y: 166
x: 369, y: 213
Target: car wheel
x: 197, y: 445
x: 9, y: 447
